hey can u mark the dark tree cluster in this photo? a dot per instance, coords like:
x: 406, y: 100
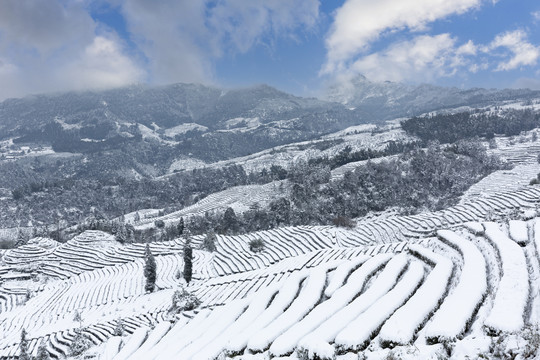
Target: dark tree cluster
x: 421, y: 179
x: 448, y: 128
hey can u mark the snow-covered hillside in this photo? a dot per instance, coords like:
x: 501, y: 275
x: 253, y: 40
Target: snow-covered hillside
x: 413, y: 286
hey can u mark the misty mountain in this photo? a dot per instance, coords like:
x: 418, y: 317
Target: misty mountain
x: 389, y: 100
x: 188, y: 118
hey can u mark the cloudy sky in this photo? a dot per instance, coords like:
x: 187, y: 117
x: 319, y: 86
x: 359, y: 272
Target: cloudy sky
x: 295, y: 45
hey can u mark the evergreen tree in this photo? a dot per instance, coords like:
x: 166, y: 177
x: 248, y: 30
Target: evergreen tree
x: 121, y: 233
x: 23, y: 346
x: 229, y: 223
x: 209, y: 242
x: 42, y: 353
x: 188, y: 261
x: 149, y: 270
x: 21, y: 239
x: 180, y: 227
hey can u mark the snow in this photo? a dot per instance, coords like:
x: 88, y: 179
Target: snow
x: 341, y: 274
x: 257, y: 305
x: 178, y: 331
x: 284, y: 298
x: 186, y: 163
x: 519, y: 232
x: 134, y: 342
x: 154, y: 337
x: 324, y: 311
x: 323, y: 351
x: 402, y: 325
x: 474, y: 227
x: 249, y: 123
x: 327, y: 331
x: 512, y: 295
x: 452, y: 318
x: 360, y: 330
x: 504, y: 180
x: 148, y: 133
x: 213, y: 326
x: 470, y: 347
x: 277, y: 319
x: 309, y: 296
x: 111, y: 348
x: 537, y: 236
x: 184, y: 128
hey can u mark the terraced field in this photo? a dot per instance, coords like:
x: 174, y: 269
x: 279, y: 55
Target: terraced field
x: 462, y: 286
x: 240, y: 198
x: 459, y: 276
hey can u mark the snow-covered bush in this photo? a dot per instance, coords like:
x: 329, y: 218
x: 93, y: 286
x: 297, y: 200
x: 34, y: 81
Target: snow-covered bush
x: 256, y: 245
x: 80, y: 343
x: 183, y: 300
x: 209, y: 242
x: 531, y: 334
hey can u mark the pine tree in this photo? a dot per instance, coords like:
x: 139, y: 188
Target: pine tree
x: 42, y: 353
x: 23, y: 346
x: 21, y: 239
x: 188, y: 261
x: 229, y: 223
x: 149, y: 270
x: 121, y: 233
x: 180, y: 227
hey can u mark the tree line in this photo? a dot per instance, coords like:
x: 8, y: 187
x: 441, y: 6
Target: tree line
x: 448, y: 128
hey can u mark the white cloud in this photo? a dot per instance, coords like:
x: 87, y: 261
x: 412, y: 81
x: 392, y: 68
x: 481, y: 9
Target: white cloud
x: 424, y: 58
x: 243, y: 23
x: 536, y: 15
x: 55, y: 45
x: 171, y: 34
x: 359, y: 22
x: 101, y: 65
x: 44, y: 26
x: 467, y: 49
x: 522, y: 53
x: 182, y: 38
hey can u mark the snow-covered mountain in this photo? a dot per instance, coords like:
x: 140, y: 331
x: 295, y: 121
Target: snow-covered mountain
x: 389, y: 100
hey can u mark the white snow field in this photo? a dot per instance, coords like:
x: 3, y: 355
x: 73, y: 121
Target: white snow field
x: 403, y: 284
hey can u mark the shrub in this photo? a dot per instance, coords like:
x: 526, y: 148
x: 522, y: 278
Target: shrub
x: 343, y: 221
x: 42, y: 353
x: 183, y: 300
x: 159, y: 223
x: 531, y: 334
x: 256, y: 245
x: 80, y: 343
x: 209, y: 242
x: 119, y: 328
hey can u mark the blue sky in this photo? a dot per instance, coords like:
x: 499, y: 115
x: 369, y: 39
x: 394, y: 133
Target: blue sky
x: 299, y: 46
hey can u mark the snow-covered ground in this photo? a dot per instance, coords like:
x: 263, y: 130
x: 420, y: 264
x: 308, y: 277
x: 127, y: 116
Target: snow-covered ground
x: 448, y: 283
